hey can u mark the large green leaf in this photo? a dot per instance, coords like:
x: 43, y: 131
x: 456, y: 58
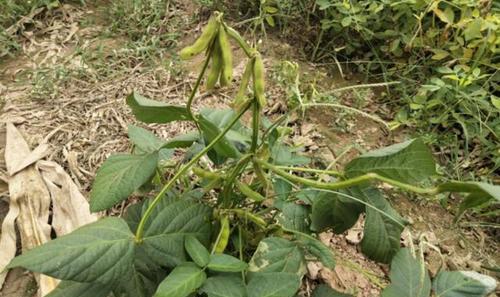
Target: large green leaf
x: 478, y: 188
x: 238, y: 134
x: 317, y: 249
x: 409, y: 162
x: 274, y: 254
x: 463, y: 284
x: 273, y: 284
x: 170, y: 223
x: 120, y: 176
x: 151, y: 111
x: 197, y: 251
x: 295, y: 216
x: 99, y: 252
x: 409, y: 277
x: 224, y: 286
x: 383, y: 227
x: 325, y: 291
x: 70, y: 289
x: 182, y: 281
x: 226, y: 263
x: 336, y: 211
x: 224, y: 147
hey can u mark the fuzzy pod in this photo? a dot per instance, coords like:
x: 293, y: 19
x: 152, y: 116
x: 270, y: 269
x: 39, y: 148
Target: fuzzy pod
x: 227, y: 57
x: 249, y: 193
x: 223, y: 237
x: 259, y: 80
x: 215, y: 67
x: 208, y: 33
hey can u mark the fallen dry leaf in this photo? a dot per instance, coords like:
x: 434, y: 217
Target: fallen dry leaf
x: 28, y: 207
x: 70, y: 208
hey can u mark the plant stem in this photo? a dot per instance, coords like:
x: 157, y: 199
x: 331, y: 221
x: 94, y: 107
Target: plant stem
x: 348, y: 182
x: 312, y: 170
x: 236, y: 36
x: 255, y: 125
x: 182, y: 171
x: 197, y: 85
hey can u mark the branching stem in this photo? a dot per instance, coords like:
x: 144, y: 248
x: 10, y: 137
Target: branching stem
x: 182, y: 171
x: 348, y: 182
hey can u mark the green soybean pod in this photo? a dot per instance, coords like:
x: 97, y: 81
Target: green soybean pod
x: 215, y: 67
x: 245, y: 79
x: 259, y: 80
x: 223, y: 237
x: 203, y: 41
x: 251, y: 194
x: 205, y: 173
x: 236, y: 36
x: 227, y: 57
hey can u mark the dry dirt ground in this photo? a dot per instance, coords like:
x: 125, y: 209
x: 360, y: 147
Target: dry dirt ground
x: 82, y: 114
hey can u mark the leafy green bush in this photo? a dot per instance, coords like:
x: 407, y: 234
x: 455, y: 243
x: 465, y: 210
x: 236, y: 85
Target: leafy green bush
x: 238, y: 215
x: 445, y: 53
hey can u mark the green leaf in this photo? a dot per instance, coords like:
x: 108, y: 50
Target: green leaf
x: 224, y: 286
x: 479, y: 188
x: 274, y: 254
x: 226, y: 263
x: 140, y: 281
x: 197, y: 251
x: 224, y: 147
x: 346, y: 21
x: 285, y: 156
x: 447, y: 16
x: 182, y: 281
x: 463, y: 284
x: 273, y: 284
x: 383, y: 227
x: 170, y: 223
x: 151, y: 111
x: 495, y: 101
x: 473, y: 30
x: 99, y: 252
x: 70, y: 288
x: 439, y: 54
x: 336, y: 211
x: 409, y: 277
x: 295, y: 216
x: 133, y: 215
x: 471, y: 201
x: 317, y: 249
x: 144, y: 140
x: 118, y: 177
x: 325, y: 291
x: 409, y: 162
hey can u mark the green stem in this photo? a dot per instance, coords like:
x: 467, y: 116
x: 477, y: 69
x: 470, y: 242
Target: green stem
x: 255, y: 125
x: 197, y: 85
x: 182, y: 171
x: 312, y: 170
x: 243, y: 44
x: 348, y: 182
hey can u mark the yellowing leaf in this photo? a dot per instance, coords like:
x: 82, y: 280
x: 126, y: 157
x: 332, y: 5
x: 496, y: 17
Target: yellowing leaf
x: 446, y: 16
x: 439, y: 54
